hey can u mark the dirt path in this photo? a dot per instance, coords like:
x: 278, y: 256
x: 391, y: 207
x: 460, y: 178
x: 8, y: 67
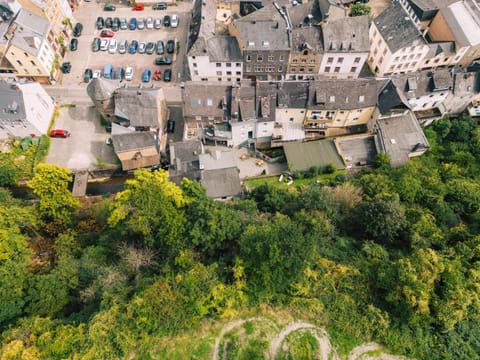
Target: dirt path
x: 356, y: 353
x: 319, y: 334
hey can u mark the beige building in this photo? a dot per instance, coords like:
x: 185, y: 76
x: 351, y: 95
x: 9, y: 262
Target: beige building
x: 340, y: 107
x: 29, y: 51
x: 459, y: 23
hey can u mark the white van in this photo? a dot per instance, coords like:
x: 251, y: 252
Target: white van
x: 112, y: 48
x: 129, y: 73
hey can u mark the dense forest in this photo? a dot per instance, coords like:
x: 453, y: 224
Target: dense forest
x: 389, y: 254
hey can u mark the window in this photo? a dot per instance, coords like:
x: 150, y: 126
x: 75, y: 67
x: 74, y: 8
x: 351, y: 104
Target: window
x: 194, y: 64
x: 229, y: 73
x: 353, y: 69
x: 19, y: 62
x: 310, y: 69
x: 195, y: 72
x: 198, y: 118
x: 302, y: 69
x: 330, y: 60
x: 259, y: 58
x: 304, y: 61
x: 248, y: 68
x: 327, y: 69
x: 218, y: 64
x: 293, y: 69
x: 271, y: 58
x: 340, y: 60
x: 238, y: 73
x: 193, y: 57
x: 294, y: 61
x: 229, y: 79
x: 337, y: 69
x: 238, y: 79
x: 280, y: 68
x: 238, y: 64
x: 332, y: 98
x: 396, y: 58
x: 229, y: 64
x: 281, y: 58
x: 219, y: 79
x: 219, y: 73
x: 384, y: 51
x: 26, y: 54
x: 404, y: 57
x: 249, y: 58
x: 357, y: 60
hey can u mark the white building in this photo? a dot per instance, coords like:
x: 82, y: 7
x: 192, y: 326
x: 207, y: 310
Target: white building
x: 346, y: 47
x: 396, y: 45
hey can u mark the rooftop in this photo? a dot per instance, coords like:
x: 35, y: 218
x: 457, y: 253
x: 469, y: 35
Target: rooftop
x: 463, y: 19
x: 134, y: 141
x: 30, y: 32
x: 11, y: 102
x: 304, y: 155
x: 423, y: 83
x: 99, y: 89
x: 222, y: 183
x: 218, y: 48
x: 202, y: 99
x: 184, y: 161
x: 217, y: 160
x: 349, y: 34
x: 397, y: 29
x: 292, y: 94
x: 140, y: 106
x: 400, y: 135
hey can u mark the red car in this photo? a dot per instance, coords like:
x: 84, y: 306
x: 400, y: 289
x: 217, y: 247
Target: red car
x: 59, y: 133
x: 138, y: 7
x: 107, y: 33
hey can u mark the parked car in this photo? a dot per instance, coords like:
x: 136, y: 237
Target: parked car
x: 106, y: 33
x: 112, y: 47
x: 123, y: 24
x: 73, y: 44
x: 100, y: 23
x: 174, y: 21
x: 170, y: 46
x: 109, y: 7
x: 116, y: 24
x: 129, y: 73
x: 132, y: 24
x: 104, y: 44
x: 59, y: 133
x: 150, y: 48
x: 166, y: 20
x: 157, y: 23
x: 77, y: 30
x: 133, y: 47
x: 163, y: 61
x: 149, y: 23
x: 87, y: 75
x: 146, y: 75
x: 167, y: 75
x: 118, y: 74
x: 170, y: 126
x: 142, y: 47
x: 140, y: 24
x: 122, y: 47
x: 96, y: 44
x: 108, y: 22
x: 66, y: 67
x: 107, y: 71
x: 97, y: 74
x: 160, y: 47
x: 138, y: 7
x: 160, y: 6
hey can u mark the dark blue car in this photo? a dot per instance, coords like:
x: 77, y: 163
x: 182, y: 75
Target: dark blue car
x: 133, y: 24
x: 133, y: 47
x: 146, y: 75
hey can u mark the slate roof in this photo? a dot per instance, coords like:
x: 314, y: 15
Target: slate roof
x: 304, y: 155
x: 218, y: 48
x: 217, y: 160
x: 222, y: 183
x: 424, y: 9
x: 343, y: 94
x: 101, y: 89
x: 349, y: 34
x: 139, y: 106
x: 307, y: 38
x: 184, y: 161
x: 30, y: 32
x: 391, y: 99
x: 207, y: 99
x: 399, y: 136
x: 244, y: 102
x: 423, y: 82
x: 12, y: 106
x: 397, y: 29
x: 292, y: 94
x: 447, y: 48
x: 133, y: 141
x: 264, y: 29
x: 305, y: 15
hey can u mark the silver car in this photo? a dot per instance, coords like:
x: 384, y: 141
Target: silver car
x: 142, y: 47
x: 157, y: 23
x: 149, y: 23
x: 140, y: 23
x: 122, y: 47
x: 123, y: 24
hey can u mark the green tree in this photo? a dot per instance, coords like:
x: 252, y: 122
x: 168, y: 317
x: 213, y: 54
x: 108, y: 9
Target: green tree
x: 151, y: 210
x: 9, y: 173
x: 275, y: 252
x: 56, y: 205
x: 359, y: 10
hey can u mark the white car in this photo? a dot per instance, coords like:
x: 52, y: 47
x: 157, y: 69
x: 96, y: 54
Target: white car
x: 112, y: 48
x: 104, y: 44
x: 157, y: 23
x: 140, y: 23
x: 129, y: 73
x: 97, y: 74
x: 122, y: 46
x: 142, y: 47
x: 174, y: 21
x: 149, y: 23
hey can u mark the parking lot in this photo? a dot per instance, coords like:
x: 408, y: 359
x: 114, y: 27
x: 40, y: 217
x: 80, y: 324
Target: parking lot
x: 84, y: 57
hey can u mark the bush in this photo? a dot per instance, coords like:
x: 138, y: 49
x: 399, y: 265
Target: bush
x: 329, y: 169
x: 297, y: 175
